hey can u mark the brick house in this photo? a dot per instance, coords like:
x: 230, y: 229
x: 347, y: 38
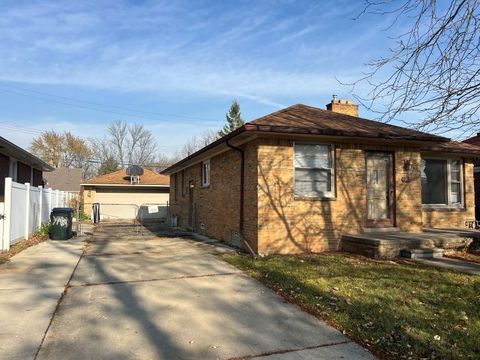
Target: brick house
x: 475, y: 140
x: 20, y: 165
x: 298, y: 179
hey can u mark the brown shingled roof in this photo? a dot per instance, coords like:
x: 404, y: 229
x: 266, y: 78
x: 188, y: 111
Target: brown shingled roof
x: 304, y: 119
x: 475, y: 140
x: 120, y: 177
x: 311, y: 120
x: 453, y: 147
x: 64, y: 179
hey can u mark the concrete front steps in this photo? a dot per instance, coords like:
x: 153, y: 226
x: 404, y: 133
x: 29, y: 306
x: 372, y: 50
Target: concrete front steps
x: 389, y: 242
x: 422, y: 253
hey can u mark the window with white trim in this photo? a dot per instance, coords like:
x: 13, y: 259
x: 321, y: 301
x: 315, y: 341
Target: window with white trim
x: 314, y: 170
x: 206, y: 173
x: 442, y: 182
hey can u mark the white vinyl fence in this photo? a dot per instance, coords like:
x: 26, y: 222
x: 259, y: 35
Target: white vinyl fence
x: 25, y: 209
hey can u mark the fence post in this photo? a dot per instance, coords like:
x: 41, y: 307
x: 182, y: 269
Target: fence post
x: 57, y: 197
x: 50, y: 205
x: 27, y: 210
x: 8, y: 214
x: 40, y: 207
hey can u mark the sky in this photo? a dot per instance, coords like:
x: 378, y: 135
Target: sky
x: 175, y: 66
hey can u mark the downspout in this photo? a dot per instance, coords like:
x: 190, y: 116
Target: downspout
x: 242, y: 195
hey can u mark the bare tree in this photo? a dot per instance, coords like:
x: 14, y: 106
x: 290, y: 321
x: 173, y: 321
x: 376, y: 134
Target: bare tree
x: 141, y: 145
x: 195, y: 143
x: 132, y: 144
x: 118, y: 132
x: 434, y: 67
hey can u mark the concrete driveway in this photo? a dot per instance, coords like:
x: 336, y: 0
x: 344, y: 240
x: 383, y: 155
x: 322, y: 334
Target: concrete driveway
x: 161, y: 297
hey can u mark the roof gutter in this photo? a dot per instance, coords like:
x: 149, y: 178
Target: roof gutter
x: 24, y: 156
x: 224, y: 139
x: 242, y: 195
x: 125, y: 185
x: 279, y: 129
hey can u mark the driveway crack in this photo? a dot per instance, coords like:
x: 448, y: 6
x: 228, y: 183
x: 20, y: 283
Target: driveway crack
x: 286, y: 351
x: 156, y: 279
x: 57, y: 306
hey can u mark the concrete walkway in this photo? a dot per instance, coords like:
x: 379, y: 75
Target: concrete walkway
x: 30, y: 286
x: 452, y: 264
x: 161, y: 297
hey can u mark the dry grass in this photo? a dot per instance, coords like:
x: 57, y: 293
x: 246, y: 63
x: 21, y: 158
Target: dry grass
x: 40, y: 236
x: 472, y: 253
x: 465, y: 255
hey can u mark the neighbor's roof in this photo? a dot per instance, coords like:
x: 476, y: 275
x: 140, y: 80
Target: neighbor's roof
x: 475, y: 140
x: 120, y: 177
x: 302, y: 119
x: 64, y: 179
x: 15, y: 151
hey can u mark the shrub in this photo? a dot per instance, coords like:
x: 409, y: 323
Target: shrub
x: 44, y: 230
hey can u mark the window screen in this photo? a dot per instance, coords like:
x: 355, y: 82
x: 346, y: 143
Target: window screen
x: 313, y: 170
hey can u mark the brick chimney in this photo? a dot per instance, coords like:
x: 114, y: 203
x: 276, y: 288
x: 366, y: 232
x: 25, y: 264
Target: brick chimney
x: 346, y: 107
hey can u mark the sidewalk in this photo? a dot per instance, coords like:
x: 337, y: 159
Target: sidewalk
x: 30, y: 286
x: 452, y: 264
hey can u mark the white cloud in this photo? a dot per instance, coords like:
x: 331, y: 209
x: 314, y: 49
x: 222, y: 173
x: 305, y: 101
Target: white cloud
x: 251, y: 50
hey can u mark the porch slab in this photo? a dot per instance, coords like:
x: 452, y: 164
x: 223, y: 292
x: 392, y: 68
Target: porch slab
x: 389, y: 244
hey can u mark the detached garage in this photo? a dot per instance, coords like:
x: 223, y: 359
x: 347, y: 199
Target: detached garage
x: 122, y: 195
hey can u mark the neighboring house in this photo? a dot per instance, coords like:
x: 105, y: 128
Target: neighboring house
x: 475, y: 140
x: 20, y: 165
x: 64, y: 179
x: 297, y: 179
x: 122, y: 197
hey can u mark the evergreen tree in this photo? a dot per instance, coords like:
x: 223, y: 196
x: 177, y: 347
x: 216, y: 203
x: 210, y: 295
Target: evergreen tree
x: 234, y: 119
x: 108, y: 166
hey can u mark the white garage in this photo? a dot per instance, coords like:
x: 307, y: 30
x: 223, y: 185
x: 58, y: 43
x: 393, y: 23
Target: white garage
x: 125, y: 197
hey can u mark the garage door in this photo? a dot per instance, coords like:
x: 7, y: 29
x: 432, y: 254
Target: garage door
x: 127, y: 204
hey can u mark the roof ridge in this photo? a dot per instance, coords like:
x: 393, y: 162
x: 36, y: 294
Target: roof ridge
x: 364, y: 119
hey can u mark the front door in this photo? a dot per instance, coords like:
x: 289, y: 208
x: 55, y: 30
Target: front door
x: 379, y: 190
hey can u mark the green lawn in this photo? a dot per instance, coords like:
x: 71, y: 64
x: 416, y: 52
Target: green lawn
x: 395, y: 309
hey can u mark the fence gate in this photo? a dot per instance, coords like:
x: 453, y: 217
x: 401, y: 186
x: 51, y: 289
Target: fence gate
x: 2, y: 221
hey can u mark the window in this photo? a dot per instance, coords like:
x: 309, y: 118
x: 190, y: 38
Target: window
x: 206, y: 173
x: 442, y: 182
x: 314, y: 170
x: 13, y: 171
x: 183, y: 183
x: 175, y: 177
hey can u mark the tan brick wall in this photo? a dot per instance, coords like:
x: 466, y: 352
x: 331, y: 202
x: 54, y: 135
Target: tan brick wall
x: 454, y: 218
x: 289, y: 225
x: 218, y: 205
x: 276, y: 222
x: 408, y: 191
x: 88, y: 194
